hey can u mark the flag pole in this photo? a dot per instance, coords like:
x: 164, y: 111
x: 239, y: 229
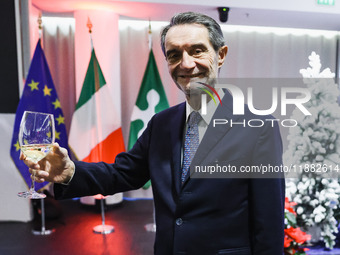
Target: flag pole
x: 40, y: 24
x: 43, y: 230
x: 150, y: 35
x: 89, y: 26
x: 150, y: 227
x: 103, y: 228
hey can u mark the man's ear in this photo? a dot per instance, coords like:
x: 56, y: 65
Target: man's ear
x: 222, y: 53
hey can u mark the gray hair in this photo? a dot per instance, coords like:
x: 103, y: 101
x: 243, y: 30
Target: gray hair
x: 215, y: 33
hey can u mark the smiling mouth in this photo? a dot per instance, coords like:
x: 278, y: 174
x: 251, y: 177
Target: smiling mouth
x: 190, y: 76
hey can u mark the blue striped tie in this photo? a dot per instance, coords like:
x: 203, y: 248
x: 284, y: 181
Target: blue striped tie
x: 191, y: 142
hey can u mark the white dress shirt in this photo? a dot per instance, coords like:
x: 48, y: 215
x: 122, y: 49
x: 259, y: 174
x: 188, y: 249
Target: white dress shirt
x: 206, y: 118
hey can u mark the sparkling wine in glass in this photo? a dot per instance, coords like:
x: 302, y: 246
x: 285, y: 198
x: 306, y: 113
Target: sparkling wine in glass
x: 36, y: 137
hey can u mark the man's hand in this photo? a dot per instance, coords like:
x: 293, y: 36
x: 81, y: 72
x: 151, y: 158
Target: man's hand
x: 55, y: 167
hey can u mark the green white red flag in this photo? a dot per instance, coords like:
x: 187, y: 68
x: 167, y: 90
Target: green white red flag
x: 95, y: 133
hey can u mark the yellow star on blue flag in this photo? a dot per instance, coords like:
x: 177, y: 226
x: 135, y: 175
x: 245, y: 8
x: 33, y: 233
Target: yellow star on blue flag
x: 38, y: 85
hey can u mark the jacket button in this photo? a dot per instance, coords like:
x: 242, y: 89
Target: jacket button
x: 179, y: 221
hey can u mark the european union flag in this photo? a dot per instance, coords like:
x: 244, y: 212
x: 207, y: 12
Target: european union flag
x: 39, y: 95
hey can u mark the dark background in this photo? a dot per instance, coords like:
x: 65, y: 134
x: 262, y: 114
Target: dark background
x: 9, y: 85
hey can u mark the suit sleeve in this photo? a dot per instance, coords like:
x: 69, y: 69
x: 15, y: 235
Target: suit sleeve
x: 130, y: 171
x: 267, y: 196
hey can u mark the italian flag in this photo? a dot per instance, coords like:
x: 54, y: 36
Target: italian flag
x: 95, y: 133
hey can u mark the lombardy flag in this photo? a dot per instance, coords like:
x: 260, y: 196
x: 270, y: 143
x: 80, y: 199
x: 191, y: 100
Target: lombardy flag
x: 151, y: 99
x: 39, y: 95
x: 95, y: 133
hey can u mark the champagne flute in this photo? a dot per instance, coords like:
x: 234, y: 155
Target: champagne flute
x: 36, y: 137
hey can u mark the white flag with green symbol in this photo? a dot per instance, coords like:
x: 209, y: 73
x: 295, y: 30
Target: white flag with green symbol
x: 151, y: 99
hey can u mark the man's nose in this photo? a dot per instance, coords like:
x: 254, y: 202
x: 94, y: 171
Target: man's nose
x: 187, y: 61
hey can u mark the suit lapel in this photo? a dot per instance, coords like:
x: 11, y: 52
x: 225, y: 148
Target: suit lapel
x: 215, y: 134
x: 177, y: 128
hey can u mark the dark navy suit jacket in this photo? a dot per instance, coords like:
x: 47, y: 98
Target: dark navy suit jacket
x: 203, y: 216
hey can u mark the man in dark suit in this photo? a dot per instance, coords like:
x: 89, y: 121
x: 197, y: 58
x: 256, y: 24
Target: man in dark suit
x: 194, y: 215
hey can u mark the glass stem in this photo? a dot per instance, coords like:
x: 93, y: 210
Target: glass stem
x: 32, y: 189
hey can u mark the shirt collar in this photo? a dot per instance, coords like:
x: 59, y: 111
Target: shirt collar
x: 211, y: 108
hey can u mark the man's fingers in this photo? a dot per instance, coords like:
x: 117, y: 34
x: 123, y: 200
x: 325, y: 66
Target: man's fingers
x: 57, y: 149
x: 37, y: 178
x: 22, y: 156
x: 29, y: 163
x: 38, y: 173
x: 40, y: 180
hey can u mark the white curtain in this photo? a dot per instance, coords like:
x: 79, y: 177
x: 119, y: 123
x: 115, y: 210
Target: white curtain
x: 58, y: 45
x: 275, y: 52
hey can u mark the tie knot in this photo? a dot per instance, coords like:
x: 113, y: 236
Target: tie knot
x: 194, y: 118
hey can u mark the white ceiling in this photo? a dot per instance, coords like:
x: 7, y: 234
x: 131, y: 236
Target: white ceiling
x: 288, y: 13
